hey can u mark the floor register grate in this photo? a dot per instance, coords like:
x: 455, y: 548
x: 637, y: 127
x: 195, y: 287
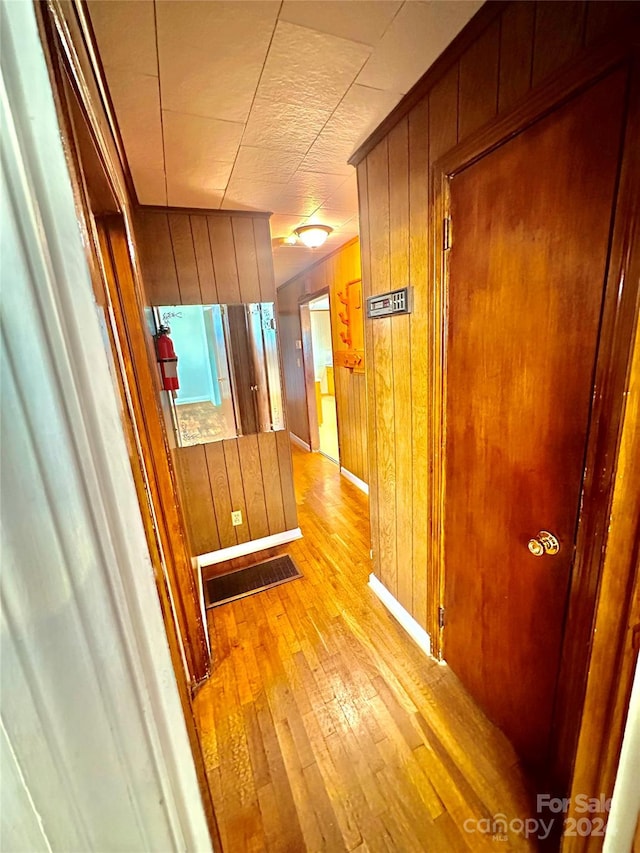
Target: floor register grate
x: 248, y: 581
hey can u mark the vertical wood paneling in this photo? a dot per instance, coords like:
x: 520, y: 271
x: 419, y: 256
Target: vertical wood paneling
x: 156, y: 257
x: 224, y: 258
x: 383, y: 412
x: 401, y: 356
x: 290, y: 332
x: 370, y: 355
x: 204, y: 261
x: 246, y: 259
x: 262, y: 236
x: 559, y: 33
x: 271, y: 478
x: 516, y: 52
x: 419, y: 268
x: 520, y: 47
x: 220, y: 493
x: 283, y: 446
x: 478, y: 96
x: 196, y: 493
x: 236, y: 486
x: 185, y: 259
x: 253, y: 485
x: 443, y: 114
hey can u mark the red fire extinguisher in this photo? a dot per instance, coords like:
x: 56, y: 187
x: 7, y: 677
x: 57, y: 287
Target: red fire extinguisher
x: 167, y: 359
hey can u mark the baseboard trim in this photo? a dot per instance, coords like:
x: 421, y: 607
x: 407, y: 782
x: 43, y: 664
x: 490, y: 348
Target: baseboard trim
x: 360, y: 484
x: 251, y: 547
x: 413, y: 628
x: 303, y: 444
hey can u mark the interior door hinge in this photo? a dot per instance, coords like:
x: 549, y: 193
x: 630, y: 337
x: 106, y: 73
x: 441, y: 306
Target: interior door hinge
x: 441, y: 617
x: 446, y: 233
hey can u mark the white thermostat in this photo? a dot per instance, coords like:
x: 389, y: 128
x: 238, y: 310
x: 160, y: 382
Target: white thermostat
x: 386, y: 304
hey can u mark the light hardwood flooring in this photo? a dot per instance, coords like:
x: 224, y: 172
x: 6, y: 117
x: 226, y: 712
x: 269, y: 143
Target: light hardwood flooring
x: 325, y: 728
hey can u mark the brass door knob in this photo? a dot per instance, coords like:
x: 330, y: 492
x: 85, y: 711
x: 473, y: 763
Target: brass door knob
x: 543, y: 543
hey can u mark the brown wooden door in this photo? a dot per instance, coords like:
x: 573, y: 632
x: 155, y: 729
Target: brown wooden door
x: 530, y: 224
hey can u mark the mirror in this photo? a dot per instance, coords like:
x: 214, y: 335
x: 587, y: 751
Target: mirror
x: 228, y: 370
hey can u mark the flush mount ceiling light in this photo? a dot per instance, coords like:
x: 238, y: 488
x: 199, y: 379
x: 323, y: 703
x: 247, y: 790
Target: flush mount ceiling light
x: 313, y: 236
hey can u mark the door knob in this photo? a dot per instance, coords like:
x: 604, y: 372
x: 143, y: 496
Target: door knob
x: 543, y: 543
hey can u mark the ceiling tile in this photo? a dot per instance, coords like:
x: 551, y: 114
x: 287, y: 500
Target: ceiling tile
x: 345, y: 196
x: 267, y: 196
x: 265, y: 164
x: 137, y: 104
x: 364, y: 21
x: 211, y: 54
x: 310, y: 68
x: 199, y: 151
x: 292, y: 127
x: 126, y: 34
x: 417, y: 36
x: 180, y: 194
x: 317, y: 185
x: 282, y: 224
x: 328, y: 216
x: 360, y: 112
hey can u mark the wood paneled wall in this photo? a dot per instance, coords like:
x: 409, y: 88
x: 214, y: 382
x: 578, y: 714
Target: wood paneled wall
x: 504, y: 52
x: 207, y: 257
x: 332, y: 272
x: 252, y: 474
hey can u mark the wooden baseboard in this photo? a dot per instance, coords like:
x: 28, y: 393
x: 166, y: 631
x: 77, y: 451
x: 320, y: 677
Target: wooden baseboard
x: 360, y: 484
x: 413, y: 628
x: 300, y: 442
x: 251, y: 547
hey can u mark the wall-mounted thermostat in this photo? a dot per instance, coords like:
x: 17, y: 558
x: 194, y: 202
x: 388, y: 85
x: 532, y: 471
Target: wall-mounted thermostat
x: 386, y: 304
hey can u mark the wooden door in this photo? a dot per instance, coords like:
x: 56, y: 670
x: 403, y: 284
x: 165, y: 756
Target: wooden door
x: 530, y: 235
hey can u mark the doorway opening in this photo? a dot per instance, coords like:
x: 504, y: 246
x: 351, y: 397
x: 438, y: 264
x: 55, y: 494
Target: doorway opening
x: 322, y: 393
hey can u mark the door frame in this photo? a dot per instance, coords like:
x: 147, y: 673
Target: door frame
x: 611, y: 377
x: 308, y: 365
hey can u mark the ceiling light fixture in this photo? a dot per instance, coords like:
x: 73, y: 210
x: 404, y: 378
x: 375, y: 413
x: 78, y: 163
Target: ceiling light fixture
x: 313, y: 236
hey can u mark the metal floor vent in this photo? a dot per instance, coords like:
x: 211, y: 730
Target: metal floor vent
x: 245, y: 582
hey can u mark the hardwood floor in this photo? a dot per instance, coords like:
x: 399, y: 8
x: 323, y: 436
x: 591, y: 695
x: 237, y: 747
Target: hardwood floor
x: 325, y: 728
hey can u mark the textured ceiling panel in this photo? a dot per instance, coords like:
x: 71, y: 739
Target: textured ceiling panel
x: 363, y: 21
x: 310, y: 68
x: 211, y: 54
x: 265, y: 164
x: 126, y: 35
x: 417, y: 36
x: 257, y: 104
x: 293, y: 127
x: 137, y: 104
x: 199, y: 153
x: 360, y: 112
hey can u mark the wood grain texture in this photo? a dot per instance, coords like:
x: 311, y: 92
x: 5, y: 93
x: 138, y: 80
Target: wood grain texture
x: 419, y: 269
x: 264, y: 258
x: 504, y: 450
x: 185, y: 259
x: 516, y: 53
x: 236, y: 486
x: 270, y: 467
x: 479, y: 69
x: 290, y: 331
x: 204, y: 260
x: 197, y: 498
x: 559, y: 35
x: 325, y: 728
x: 401, y: 354
x: 246, y: 259
x: 224, y: 258
x: 153, y: 239
x: 220, y: 494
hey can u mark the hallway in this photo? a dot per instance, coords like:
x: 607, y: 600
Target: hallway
x: 325, y: 728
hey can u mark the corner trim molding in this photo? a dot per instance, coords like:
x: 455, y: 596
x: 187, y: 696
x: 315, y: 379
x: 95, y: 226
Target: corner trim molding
x: 244, y: 548
x: 413, y: 628
x: 303, y: 444
x: 360, y: 484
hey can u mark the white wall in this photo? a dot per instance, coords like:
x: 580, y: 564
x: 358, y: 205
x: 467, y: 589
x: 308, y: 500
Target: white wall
x: 94, y: 749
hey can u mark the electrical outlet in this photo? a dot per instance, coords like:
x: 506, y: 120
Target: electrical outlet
x: 236, y: 517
